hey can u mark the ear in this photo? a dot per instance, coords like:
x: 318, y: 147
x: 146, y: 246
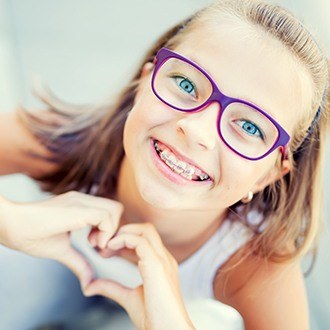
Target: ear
x: 146, y: 69
x: 271, y: 176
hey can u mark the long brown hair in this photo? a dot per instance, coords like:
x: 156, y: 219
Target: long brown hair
x: 89, y: 147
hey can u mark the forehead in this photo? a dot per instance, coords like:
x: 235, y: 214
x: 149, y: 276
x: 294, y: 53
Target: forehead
x: 246, y: 63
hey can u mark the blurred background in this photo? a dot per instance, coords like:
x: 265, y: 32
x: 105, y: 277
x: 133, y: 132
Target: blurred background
x: 84, y: 50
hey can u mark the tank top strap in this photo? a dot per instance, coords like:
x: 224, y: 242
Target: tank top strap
x: 198, y: 271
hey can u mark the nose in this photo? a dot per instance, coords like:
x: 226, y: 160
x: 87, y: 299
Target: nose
x: 200, y: 128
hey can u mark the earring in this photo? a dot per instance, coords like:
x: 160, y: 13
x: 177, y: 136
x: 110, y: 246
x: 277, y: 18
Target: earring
x: 248, y: 198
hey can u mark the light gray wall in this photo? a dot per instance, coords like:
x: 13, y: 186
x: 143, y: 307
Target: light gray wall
x: 84, y: 49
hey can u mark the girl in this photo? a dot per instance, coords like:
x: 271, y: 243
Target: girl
x: 211, y: 161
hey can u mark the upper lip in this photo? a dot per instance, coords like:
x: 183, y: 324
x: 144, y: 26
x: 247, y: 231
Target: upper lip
x: 184, y: 158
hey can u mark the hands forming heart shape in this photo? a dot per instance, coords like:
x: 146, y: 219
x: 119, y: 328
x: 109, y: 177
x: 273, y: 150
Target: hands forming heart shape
x: 43, y: 228
x: 157, y: 303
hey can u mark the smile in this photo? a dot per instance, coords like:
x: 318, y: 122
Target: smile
x: 178, y: 165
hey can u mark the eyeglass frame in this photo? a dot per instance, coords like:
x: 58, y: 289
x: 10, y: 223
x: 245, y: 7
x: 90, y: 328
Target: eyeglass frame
x: 223, y: 100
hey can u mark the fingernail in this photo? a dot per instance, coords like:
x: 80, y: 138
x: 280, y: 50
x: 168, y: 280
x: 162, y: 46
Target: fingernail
x: 87, y: 293
x: 85, y: 282
x: 83, y: 285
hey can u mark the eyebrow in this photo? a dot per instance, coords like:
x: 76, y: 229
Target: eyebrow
x: 237, y: 96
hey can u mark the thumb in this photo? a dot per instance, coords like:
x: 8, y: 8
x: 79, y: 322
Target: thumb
x: 78, y: 265
x: 130, y: 299
x: 109, y: 289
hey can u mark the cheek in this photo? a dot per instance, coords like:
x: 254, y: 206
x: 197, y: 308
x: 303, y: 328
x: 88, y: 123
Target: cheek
x: 240, y: 176
x: 144, y: 115
x: 138, y: 118
x: 147, y: 113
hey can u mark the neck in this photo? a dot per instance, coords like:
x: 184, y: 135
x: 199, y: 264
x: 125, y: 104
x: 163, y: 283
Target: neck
x: 201, y: 224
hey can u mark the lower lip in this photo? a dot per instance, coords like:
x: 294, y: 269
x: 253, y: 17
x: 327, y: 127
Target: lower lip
x: 169, y: 174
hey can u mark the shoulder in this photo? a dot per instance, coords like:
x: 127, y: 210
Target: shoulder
x: 267, y: 294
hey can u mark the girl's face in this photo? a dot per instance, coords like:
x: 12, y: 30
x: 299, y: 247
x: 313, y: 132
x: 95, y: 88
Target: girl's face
x: 244, y: 63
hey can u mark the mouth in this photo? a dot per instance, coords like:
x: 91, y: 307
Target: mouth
x: 179, y: 164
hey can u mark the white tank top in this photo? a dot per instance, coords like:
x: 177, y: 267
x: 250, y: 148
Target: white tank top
x: 196, y: 273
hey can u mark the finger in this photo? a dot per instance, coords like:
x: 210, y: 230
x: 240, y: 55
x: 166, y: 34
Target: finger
x: 123, y: 253
x: 78, y: 265
x: 149, y: 232
x: 130, y: 299
x: 98, y: 211
x: 92, y: 237
x: 142, y: 247
x: 102, y: 238
x: 109, y: 289
x: 99, y: 238
x: 113, y: 207
x: 107, y: 253
x: 68, y: 219
x: 100, y: 218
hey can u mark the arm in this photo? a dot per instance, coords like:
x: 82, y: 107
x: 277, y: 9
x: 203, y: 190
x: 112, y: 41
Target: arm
x: 15, y: 143
x: 268, y: 295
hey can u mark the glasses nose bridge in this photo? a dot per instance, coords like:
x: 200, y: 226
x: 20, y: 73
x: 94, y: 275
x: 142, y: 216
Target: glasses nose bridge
x: 220, y: 98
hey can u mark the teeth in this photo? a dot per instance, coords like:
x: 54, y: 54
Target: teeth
x: 190, y: 171
x: 187, y: 176
x: 179, y: 166
x: 164, y: 155
x: 177, y: 170
x: 171, y: 161
x: 156, y: 146
x: 204, y: 177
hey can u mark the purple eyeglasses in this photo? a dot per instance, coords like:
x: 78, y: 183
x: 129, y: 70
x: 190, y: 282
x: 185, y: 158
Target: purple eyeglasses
x: 246, y: 129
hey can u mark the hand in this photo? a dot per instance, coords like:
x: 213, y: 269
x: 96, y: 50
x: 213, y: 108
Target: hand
x: 158, y: 303
x: 42, y: 229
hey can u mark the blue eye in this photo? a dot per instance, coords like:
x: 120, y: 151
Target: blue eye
x: 250, y: 128
x: 186, y: 85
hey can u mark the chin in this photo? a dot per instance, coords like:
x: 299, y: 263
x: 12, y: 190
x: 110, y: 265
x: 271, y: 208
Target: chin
x: 158, y: 196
